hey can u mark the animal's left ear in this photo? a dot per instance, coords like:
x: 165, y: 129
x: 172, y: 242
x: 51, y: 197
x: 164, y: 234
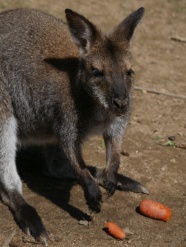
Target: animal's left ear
x: 126, y: 28
x: 82, y: 30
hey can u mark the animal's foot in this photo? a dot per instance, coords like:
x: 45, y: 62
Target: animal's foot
x: 109, y: 182
x: 110, y: 187
x: 128, y: 184
x: 119, y: 182
x: 92, y: 193
x: 30, y: 222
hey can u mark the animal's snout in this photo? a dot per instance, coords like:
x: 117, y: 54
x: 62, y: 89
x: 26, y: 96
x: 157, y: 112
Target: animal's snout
x: 119, y: 103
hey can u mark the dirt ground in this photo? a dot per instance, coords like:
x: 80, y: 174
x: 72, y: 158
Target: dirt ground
x: 159, y: 51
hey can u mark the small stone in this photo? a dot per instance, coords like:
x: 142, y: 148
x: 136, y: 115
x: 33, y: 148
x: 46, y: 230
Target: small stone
x: 173, y: 161
x: 125, y: 153
x: 171, y: 138
x: 83, y: 222
x: 51, y: 237
x: 163, y: 168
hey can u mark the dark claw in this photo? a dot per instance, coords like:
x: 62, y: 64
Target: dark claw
x: 110, y: 188
x: 94, y: 203
x: 30, y: 222
x: 128, y: 184
x: 95, y: 206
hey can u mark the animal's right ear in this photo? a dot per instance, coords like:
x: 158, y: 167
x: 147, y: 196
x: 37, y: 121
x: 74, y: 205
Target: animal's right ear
x: 126, y: 28
x: 83, y: 31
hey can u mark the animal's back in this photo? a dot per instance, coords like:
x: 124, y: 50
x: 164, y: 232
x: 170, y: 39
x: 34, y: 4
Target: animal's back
x: 30, y: 41
x: 32, y: 33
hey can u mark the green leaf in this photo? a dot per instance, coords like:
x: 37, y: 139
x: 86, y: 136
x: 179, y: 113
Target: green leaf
x: 170, y: 144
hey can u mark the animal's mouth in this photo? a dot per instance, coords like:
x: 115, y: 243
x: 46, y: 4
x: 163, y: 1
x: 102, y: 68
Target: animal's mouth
x: 120, y: 112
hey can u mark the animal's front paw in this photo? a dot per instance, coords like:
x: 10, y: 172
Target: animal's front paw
x: 30, y: 222
x: 92, y: 193
x: 110, y: 182
x: 94, y: 199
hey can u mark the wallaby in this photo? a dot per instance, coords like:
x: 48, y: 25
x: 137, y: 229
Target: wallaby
x: 60, y: 83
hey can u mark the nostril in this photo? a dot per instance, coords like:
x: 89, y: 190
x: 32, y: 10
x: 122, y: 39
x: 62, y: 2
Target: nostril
x: 119, y: 103
x: 116, y: 103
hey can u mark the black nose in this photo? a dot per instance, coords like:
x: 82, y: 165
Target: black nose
x: 120, y: 103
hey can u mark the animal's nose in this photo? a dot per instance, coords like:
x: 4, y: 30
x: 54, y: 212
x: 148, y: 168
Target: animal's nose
x: 120, y: 103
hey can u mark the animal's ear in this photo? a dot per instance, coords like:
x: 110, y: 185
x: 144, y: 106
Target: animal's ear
x: 126, y: 28
x: 83, y: 31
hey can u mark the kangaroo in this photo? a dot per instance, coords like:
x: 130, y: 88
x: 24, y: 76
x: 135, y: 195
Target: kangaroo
x: 59, y: 83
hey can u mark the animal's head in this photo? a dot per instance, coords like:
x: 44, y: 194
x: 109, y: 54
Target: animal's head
x: 106, y: 71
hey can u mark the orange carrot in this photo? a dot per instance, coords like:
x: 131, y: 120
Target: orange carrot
x: 155, y: 210
x: 115, y: 230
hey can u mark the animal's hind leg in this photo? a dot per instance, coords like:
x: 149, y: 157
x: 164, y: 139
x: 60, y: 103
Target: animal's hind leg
x: 123, y: 183
x: 10, y: 183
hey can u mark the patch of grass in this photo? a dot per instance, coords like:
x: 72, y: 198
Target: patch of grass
x: 170, y: 144
x: 102, y: 143
x: 180, y: 9
x: 156, y: 138
x: 2, y: 6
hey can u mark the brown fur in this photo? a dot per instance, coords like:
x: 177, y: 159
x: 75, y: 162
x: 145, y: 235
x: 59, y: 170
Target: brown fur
x: 61, y: 83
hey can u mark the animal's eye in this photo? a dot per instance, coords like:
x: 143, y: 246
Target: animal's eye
x: 97, y: 73
x: 130, y: 72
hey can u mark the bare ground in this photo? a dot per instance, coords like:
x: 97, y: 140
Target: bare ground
x: 159, y: 62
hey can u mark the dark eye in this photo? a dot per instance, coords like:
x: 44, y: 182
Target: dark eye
x: 130, y: 72
x: 97, y: 73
